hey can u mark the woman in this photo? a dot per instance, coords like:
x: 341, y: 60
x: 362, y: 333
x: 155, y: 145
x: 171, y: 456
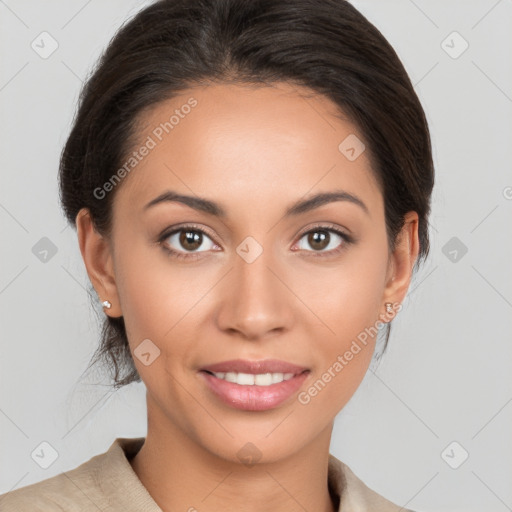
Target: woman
x: 250, y: 182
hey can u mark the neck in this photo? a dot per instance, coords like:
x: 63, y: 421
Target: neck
x: 181, y: 474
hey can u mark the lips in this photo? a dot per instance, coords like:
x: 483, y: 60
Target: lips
x: 255, y: 367
x: 253, y: 397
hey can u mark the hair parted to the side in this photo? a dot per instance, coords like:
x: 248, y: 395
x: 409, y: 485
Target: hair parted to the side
x: 326, y: 46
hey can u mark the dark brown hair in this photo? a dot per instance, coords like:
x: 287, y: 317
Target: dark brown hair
x: 326, y: 46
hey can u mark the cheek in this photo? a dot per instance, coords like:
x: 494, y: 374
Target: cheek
x: 152, y: 304
x: 348, y: 300
x: 345, y: 350
x: 159, y: 299
x: 143, y: 289
x: 346, y: 297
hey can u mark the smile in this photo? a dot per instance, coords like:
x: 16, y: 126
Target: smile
x: 253, y: 392
x: 249, y: 379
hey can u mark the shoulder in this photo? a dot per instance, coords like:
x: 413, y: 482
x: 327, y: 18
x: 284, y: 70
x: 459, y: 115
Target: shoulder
x: 63, y: 492
x: 86, y: 488
x: 58, y: 493
x: 355, y: 495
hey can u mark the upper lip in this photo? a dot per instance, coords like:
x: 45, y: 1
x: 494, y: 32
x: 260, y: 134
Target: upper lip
x: 255, y: 367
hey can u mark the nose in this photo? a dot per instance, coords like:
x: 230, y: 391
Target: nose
x: 255, y: 301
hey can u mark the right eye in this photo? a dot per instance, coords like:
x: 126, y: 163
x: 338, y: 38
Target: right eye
x: 185, y: 241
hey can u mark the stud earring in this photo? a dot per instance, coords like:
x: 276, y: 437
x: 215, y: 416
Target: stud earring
x: 389, y: 308
x: 106, y: 304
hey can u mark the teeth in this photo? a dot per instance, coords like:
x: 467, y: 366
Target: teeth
x: 249, y: 379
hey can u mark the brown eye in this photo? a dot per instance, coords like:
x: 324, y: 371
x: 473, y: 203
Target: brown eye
x: 324, y: 240
x: 187, y: 240
x: 190, y: 240
x: 318, y: 240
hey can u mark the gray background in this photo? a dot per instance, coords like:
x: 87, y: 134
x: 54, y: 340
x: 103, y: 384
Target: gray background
x: 446, y: 375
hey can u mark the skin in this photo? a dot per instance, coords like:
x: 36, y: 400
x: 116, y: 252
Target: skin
x: 255, y: 151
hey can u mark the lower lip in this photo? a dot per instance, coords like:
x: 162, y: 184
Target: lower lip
x: 253, y: 398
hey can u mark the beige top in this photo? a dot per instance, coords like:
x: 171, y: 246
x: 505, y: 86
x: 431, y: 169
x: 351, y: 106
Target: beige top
x: 107, y: 483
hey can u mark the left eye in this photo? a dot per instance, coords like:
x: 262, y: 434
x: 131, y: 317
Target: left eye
x: 321, y: 239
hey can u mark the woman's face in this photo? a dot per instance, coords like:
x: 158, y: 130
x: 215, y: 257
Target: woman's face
x: 266, y: 279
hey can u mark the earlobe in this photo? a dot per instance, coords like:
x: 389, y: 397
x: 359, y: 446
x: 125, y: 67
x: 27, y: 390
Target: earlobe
x: 96, y: 253
x: 402, y: 260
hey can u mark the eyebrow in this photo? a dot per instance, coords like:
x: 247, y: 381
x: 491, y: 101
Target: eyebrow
x: 299, y: 207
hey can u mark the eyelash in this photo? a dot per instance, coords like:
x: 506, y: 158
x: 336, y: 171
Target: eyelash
x: 347, y: 239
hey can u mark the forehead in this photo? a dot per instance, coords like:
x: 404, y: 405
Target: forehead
x: 246, y: 146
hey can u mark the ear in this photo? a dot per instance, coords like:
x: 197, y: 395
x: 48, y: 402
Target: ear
x: 402, y: 261
x: 97, y: 255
